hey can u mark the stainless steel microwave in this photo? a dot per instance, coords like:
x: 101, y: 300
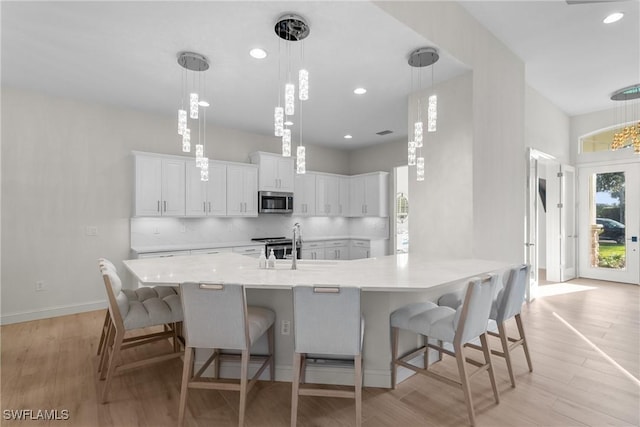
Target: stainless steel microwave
x: 274, y: 202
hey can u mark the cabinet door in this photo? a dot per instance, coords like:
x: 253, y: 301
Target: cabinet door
x: 304, y: 198
x: 173, y: 187
x: 250, y: 191
x: 285, y: 174
x: 326, y: 195
x: 195, y: 191
x: 343, y: 196
x: 275, y: 173
x: 356, y: 190
x: 235, y: 190
x: 148, y: 191
x: 216, y: 196
x: 268, y: 173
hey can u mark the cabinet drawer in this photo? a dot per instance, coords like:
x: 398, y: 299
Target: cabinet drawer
x: 360, y: 243
x: 313, y: 245
x: 210, y: 251
x: 336, y: 243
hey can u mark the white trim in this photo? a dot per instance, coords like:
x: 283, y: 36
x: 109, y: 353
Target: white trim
x: 26, y: 316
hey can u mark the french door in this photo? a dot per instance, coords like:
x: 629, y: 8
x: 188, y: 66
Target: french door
x: 609, y: 222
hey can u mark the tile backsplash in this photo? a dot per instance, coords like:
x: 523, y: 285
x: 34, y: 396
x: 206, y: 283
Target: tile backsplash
x: 179, y: 231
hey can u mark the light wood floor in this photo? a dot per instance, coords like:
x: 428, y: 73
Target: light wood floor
x: 50, y: 364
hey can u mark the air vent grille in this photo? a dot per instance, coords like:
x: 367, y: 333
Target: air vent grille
x: 384, y: 132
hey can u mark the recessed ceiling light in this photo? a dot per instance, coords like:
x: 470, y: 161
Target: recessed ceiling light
x: 614, y: 17
x: 360, y: 91
x: 288, y: 123
x: 348, y: 137
x: 203, y: 103
x: 258, y: 53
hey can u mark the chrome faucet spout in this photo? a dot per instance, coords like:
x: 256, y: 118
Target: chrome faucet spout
x: 294, y: 248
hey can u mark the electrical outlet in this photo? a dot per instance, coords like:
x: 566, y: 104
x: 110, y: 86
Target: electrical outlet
x: 285, y: 327
x: 183, y: 228
x: 156, y: 230
x: 40, y: 286
x: 91, y: 230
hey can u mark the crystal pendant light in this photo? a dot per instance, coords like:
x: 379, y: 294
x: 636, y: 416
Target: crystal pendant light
x: 418, y: 59
x: 301, y: 166
x: 286, y: 143
x: 204, y: 169
x: 182, y: 121
x: 278, y: 120
x: 629, y: 135
x: 420, y: 169
x: 186, y: 140
x: 412, y: 153
x: 417, y: 134
x: 193, y: 87
x: 289, y: 99
x: 432, y: 113
x: 303, y: 85
x: 290, y: 28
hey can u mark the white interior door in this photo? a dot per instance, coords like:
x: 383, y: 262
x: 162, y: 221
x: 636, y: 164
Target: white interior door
x: 567, y: 223
x: 531, y: 223
x: 609, y: 222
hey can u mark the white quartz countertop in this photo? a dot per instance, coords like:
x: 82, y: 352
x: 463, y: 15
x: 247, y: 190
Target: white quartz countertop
x: 328, y: 238
x: 403, y: 272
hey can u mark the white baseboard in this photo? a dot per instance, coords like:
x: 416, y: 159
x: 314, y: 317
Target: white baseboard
x: 7, y: 319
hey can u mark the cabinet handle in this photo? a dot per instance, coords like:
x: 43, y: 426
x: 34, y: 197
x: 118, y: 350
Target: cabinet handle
x: 165, y: 205
x: 204, y: 207
x: 362, y: 209
x: 158, y: 205
x: 209, y: 206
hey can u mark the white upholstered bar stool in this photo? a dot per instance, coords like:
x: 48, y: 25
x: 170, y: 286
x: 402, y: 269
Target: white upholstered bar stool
x: 507, y: 305
x: 447, y: 325
x: 327, y: 324
x: 216, y: 316
x: 132, y: 315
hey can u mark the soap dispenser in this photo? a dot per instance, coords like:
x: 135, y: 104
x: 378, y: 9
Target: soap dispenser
x: 262, y: 260
x: 272, y: 260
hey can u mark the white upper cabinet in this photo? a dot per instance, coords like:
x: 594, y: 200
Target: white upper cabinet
x: 206, y: 198
x: 343, y: 195
x: 160, y: 186
x: 327, y: 195
x: 275, y: 172
x: 304, y: 197
x: 368, y: 194
x: 242, y: 190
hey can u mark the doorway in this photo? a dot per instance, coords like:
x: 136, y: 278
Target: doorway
x: 550, y: 246
x: 609, y: 220
x: 400, y: 226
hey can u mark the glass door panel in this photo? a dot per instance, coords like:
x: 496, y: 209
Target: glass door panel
x: 609, y: 222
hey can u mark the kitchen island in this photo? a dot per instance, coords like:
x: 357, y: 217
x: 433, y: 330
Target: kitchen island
x: 387, y: 283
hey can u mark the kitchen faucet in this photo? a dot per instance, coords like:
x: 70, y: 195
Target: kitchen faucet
x: 297, y: 238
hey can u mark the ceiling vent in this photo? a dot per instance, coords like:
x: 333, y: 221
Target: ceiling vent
x: 384, y: 132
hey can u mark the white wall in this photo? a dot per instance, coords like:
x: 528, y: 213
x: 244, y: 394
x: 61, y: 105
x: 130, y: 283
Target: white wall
x: 67, y: 165
x: 498, y: 97
x: 547, y: 128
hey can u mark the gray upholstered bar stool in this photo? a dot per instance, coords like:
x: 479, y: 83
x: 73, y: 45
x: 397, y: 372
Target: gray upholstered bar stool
x: 446, y: 325
x: 160, y: 307
x: 507, y: 305
x: 327, y: 324
x: 216, y: 316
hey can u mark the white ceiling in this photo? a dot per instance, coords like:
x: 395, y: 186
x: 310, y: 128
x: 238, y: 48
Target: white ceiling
x: 124, y: 54
x: 571, y: 56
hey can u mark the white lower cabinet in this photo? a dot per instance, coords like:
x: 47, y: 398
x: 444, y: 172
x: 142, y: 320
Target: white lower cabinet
x: 336, y: 249
x: 312, y: 250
